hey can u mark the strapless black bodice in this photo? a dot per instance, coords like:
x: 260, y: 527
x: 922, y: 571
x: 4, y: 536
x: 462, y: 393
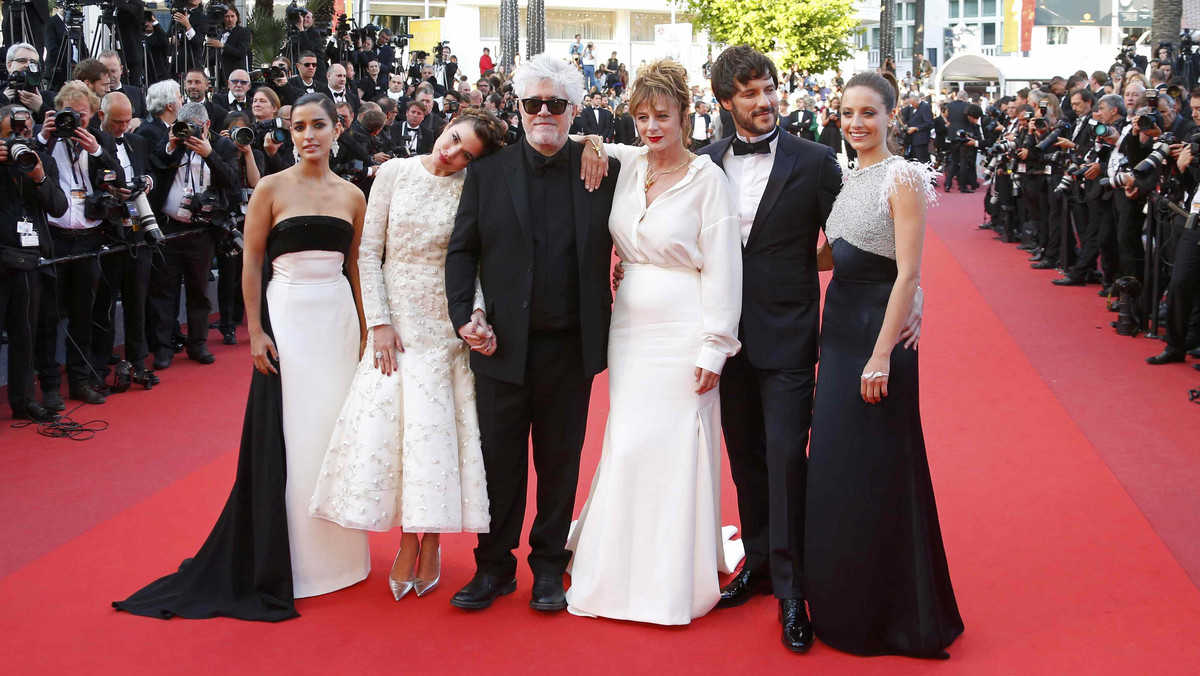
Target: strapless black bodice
x: 309, y: 233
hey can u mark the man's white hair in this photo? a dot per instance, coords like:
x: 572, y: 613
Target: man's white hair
x: 194, y: 112
x: 567, y: 81
x: 160, y: 95
x: 12, y: 51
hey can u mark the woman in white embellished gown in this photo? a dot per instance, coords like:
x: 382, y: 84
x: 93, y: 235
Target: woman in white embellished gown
x: 648, y: 545
x: 405, y: 450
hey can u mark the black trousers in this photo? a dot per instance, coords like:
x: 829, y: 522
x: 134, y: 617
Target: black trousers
x: 1183, y: 290
x: 551, y: 406
x: 1130, y: 220
x: 1099, y: 241
x: 1033, y: 192
x: 20, y: 294
x: 126, y: 276
x: 68, y: 291
x: 919, y: 152
x: 186, y: 260
x: 766, y: 417
x: 966, y: 166
x: 1058, y: 218
x: 953, y: 161
x: 229, y: 292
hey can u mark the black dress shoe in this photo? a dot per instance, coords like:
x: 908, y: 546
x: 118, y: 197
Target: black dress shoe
x: 966, y: 190
x: 1037, y: 255
x: 743, y: 587
x: 229, y: 338
x: 797, y: 629
x: 202, y: 356
x: 482, y: 590
x: 53, y: 401
x: 1167, y: 356
x: 35, y: 412
x: 162, y: 360
x: 1069, y: 280
x: 548, y: 594
x: 1045, y: 264
x: 85, y: 394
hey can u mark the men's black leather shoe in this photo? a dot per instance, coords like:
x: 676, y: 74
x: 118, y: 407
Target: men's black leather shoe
x: 86, y: 394
x: 35, y: 412
x: 1037, y: 255
x: 1069, y: 280
x: 1045, y: 264
x: 53, y: 401
x: 162, y: 360
x: 548, y: 594
x: 743, y: 587
x: 229, y: 338
x: 202, y: 356
x: 1167, y: 356
x: 482, y: 590
x: 797, y: 629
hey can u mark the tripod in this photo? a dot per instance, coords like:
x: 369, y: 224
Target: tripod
x: 71, y: 45
x: 20, y: 30
x: 107, y: 36
x: 183, y: 53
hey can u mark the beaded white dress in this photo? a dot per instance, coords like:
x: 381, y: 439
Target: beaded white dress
x: 405, y: 450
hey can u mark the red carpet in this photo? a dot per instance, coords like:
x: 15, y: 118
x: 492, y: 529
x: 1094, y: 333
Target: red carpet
x: 1057, y: 571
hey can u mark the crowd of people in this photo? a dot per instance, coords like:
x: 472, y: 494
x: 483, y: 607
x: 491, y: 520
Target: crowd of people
x: 1095, y: 177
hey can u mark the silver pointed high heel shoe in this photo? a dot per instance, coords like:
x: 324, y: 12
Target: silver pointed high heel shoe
x: 401, y: 587
x: 426, y: 586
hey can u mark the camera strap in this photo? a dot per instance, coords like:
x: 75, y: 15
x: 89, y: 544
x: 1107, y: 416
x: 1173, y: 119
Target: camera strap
x: 200, y: 185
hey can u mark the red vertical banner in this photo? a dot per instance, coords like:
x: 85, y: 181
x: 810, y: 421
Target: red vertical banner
x: 1028, y: 8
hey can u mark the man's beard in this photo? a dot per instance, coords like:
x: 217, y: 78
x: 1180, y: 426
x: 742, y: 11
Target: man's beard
x: 545, y: 135
x: 750, y: 123
x: 195, y: 97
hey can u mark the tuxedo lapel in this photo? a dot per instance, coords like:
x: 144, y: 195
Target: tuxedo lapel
x: 717, y: 154
x: 785, y: 158
x: 518, y: 185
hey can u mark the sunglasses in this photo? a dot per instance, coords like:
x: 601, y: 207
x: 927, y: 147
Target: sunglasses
x: 239, y: 82
x: 534, y: 106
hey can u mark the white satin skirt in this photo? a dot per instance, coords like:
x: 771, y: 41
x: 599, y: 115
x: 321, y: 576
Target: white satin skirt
x: 315, y: 324
x: 648, y: 543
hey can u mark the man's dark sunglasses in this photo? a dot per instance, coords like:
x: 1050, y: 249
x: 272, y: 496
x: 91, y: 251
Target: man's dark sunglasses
x: 534, y: 106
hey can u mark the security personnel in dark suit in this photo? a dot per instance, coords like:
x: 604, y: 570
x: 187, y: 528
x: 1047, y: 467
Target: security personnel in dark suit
x: 192, y: 27
x: 920, y: 124
x: 31, y: 195
x: 125, y: 274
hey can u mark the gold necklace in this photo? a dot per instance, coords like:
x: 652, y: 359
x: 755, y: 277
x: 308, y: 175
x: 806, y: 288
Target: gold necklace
x: 652, y: 176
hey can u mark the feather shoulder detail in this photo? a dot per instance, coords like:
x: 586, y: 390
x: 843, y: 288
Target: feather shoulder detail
x: 914, y: 174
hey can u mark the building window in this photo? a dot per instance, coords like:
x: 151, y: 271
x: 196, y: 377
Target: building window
x: 989, y: 33
x: 953, y: 9
x: 970, y: 8
x: 563, y: 24
x: 1057, y: 35
x: 641, y: 25
x: 489, y: 23
x: 989, y: 8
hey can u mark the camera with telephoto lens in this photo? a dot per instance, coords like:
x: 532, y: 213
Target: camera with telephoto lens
x: 182, y: 130
x: 20, y: 153
x: 134, y: 213
x: 241, y: 135
x: 23, y: 81
x: 1040, y: 124
x: 961, y: 135
x: 66, y: 121
x: 275, y: 128
x: 353, y: 171
x: 1159, y: 154
x: 210, y: 208
x: 400, y: 151
x: 1068, y: 179
x: 1059, y: 129
x: 1103, y: 131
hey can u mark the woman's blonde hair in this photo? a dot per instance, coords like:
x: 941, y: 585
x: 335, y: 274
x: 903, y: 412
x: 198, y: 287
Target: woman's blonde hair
x: 663, y: 80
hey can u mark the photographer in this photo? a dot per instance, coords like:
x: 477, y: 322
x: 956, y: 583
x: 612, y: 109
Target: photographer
x: 445, y: 70
x: 1038, y: 170
x: 387, y: 53
x: 251, y: 164
x: 163, y: 101
x: 31, y: 183
x: 264, y: 108
x: 129, y: 17
x: 188, y: 33
x: 70, y: 287
x: 277, y: 80
x: 158, y: 49
x: 968, y: 141
x: 22, y: 87
x: 1129, y: 195
x: 1073, y: 208
x: 371, y: 84
x: 366, y: 54
x: 124, y: 274
x: 305, y: 81
x: 920, y: 124
x: 232, y: 45
x: 196, y: 169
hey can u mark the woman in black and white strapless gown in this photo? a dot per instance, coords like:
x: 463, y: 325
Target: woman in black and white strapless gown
x: 302, y: 234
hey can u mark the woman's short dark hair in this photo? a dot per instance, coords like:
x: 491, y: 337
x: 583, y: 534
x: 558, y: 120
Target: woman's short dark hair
x: 320, y: 99
x: 240, y: 117
x: 739, y: 64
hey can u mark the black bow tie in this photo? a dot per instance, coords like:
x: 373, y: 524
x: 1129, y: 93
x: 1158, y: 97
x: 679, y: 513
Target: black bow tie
x: 542, y: 164
x: 759, y: 147
x: 120, y: 140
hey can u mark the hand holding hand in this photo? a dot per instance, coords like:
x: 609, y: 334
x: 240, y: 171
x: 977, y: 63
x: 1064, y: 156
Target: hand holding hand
x: 262, y: 351
x: 478, y: 334
x: 707, y: 380
x: 387, y: 349
x: 618, y: 274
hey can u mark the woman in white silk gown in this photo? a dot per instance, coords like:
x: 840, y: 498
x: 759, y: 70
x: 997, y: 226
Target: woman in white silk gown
x: 406, y: 448
x: 648, y: 543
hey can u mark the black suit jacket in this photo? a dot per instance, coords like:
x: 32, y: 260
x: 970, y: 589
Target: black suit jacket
x: 804, y: 123
x: 604, y: 127
x: 139, y: 155
x: 492, y: 239
x: 781, y: 294
x: 353, y: 100
x: 425, y: 137
x: 299, y: 89
x: 157, y: 51
x: 922, y: 119
x: 626, y: 130
x: 236, y: 53
x: 37, y: 13
x: 222, y: 106
x: 129, y: 29
x: 137, y: 100
x: 190, y: 52
x: 957, y: 115
x: 57, y: 63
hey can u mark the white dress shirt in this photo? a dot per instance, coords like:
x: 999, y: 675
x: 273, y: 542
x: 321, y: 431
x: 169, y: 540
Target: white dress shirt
x: 74, y: 181
x: 748, y: 175
x: 699, y: 127
x: 192, y: 177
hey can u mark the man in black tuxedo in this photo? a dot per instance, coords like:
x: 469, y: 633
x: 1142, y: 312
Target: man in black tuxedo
x: 158, y: 49
x: 305, y: 81
x: 804, y: 120
x: 130, y: 17
x: 411, y: 133
x: 234, y: 99
x: 538, y: 242
x: 37, y: 14
x: 137, y: 100
x: 920, y: 124
x: 598, y: 120
x: 195, y: 88
x: 60, y: 61
x: 163, y: 101
x: 189, y: 52
x: 767, y: 388
x: 340, y: 90
x: 125, y: 274
x: 957, y: 118
x: 232, y: 44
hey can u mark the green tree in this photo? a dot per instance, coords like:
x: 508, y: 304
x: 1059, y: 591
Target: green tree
x: 813, y: 34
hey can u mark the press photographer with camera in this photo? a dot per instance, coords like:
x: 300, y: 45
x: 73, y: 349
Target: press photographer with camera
x: 158, y: 49
x: 124, y: 274
x: 372, y: 82
x: 197, y: 169
x: 232, y: 43
x: 188, y: 34
x: 251, y: 165
x: 23, y: 85
x: 163, y: 101
x: 33, y: 192
x: 277, y: 81
x: 272, y: 135
x: 69, y: 287
x: 1066, y: 181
